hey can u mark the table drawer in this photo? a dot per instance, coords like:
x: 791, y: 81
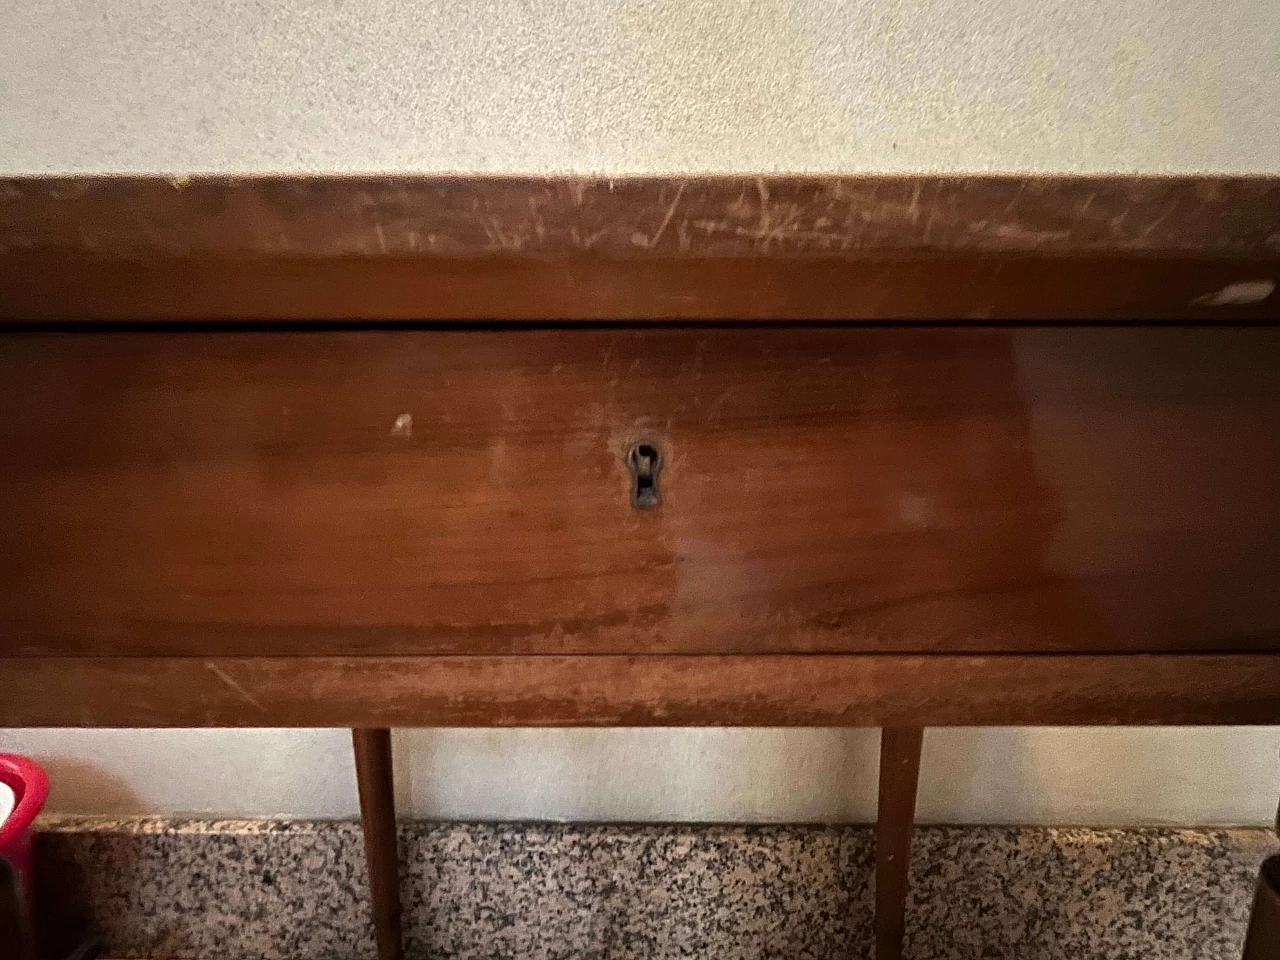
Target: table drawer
x: 818, y: 489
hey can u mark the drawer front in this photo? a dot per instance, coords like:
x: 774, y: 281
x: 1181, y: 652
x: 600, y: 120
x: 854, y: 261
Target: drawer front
x: 819, y: 489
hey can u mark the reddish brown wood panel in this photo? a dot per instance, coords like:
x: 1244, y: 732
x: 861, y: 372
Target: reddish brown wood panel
x: 412, y: 248
x: 520, y: 288
x: 814, y: 690
x: 214, y: 217
x: 822, y: 490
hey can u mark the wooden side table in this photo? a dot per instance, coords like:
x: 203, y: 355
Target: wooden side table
x: 894, y: 452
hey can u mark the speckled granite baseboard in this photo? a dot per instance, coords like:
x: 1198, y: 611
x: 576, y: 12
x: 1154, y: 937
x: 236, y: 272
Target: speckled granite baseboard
x: 296, y: 891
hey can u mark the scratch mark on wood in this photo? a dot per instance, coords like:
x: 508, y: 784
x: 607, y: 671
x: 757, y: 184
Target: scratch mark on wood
x: 1158, y: 221
x: 671, y: 209
x: 226, y: 678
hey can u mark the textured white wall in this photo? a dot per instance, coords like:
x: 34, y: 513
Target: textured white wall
x: 639, y: 86
x: 1191, y: 776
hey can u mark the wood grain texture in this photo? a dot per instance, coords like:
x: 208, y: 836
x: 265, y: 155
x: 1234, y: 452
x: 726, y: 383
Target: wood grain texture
x: 895, y: 822
x: 159, y: 218
x: 604, y: 691
x: 823, y: 490
x: 979, y: 287
x: 397, y: 249
x: 375, y: 780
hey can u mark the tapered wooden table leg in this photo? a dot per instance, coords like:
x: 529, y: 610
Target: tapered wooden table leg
x: 15, y: 929
x: 1263, y: 940
x: 899, y: 775
x: 378, y: 815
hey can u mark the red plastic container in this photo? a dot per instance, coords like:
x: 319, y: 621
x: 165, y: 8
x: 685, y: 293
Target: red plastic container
x: 30, y: 786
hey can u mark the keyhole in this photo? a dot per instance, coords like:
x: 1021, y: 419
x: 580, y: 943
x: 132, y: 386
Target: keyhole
x: 644, y: 462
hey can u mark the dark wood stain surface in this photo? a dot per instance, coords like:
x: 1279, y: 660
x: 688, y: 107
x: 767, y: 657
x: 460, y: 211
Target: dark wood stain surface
x: 620, y: 691
x: 638, y: 217
x: 738, y: 248
x: 872, y: 287
x: 823, y: 489
x: 858, y: 525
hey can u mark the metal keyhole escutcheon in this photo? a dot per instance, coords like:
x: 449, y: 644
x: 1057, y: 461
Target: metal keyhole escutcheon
x: 644, y: 461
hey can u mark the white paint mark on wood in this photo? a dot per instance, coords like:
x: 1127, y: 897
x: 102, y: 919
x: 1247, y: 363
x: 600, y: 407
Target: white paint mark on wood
x: 1243, y: 293
x: 403, y: 427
